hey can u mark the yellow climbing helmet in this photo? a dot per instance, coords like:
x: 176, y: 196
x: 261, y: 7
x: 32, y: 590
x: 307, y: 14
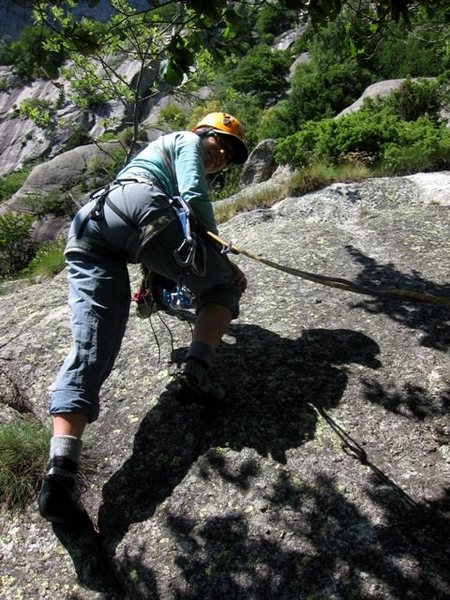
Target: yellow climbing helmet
x: 226, y: 124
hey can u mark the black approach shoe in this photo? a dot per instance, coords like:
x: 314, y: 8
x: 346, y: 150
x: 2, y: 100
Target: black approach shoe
x: 58, y: 502
x: 188, y: 391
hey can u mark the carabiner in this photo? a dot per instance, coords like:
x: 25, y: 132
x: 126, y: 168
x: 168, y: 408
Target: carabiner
x: 187, y: 248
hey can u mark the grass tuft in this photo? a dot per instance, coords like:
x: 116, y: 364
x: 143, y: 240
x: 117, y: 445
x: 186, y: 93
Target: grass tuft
x: 23, y: 457
x: 48, y: 260
x: 301, y: 182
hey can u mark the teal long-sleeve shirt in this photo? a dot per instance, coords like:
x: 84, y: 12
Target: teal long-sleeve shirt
x: 176, y: 163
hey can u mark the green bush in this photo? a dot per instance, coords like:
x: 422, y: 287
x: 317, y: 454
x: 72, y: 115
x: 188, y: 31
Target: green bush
x: 9, y: 184
x: 6, y: 54
x: 420, y: 146
x: 16, y: 245
x: 386, y: 141
x: 262, y: 73
x: 272, y: 21
x: 23, y: 456
x: 299, y: 149
x: 89, y: 90
x: 172, y: 118
x: 319, y: 92
x: 412, y: 100
x: 40, y: 112
x: 362, y: 131
x: 417, y: 50
x: 48, y: 260
x: 78, y: 138
x: 55, y: 203
x: 276, y: 122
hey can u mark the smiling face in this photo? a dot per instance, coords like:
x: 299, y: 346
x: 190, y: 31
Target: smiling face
x: 217, y: 153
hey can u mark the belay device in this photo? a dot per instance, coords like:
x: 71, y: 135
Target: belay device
x: 156, y: 293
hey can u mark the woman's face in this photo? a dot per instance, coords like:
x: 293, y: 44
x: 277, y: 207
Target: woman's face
x: 217, y: 153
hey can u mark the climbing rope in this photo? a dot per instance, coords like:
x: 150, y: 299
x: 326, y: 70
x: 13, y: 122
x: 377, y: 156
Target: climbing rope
x: 335, y: 282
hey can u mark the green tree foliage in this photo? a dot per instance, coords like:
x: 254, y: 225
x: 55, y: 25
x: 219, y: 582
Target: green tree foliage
x: 272, y: 20
x: 180, y: 35
x: 56, y: 202
x: 416, y: 48
x: 330, y: 80
x: 277, y: 122
x: 411, y: 100
x: 261, y: 73
x: 9, y: 184
x: 419, y: 146
x: 319, y: 91
x: 318, y: 10
x: 172, y: 118
x: 175, y: 33
x: 171, y: 35
x: 29, y: 55
x: 409, y: 53
x: 349, y: 54
x: 38, y: 111
x: 367, y: 25
x: 16, y: 245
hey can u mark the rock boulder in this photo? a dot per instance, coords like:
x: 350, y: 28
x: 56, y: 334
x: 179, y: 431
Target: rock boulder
x: 326, y: 472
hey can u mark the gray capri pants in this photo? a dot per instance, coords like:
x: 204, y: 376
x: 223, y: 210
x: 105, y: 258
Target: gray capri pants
x: 99, y: 288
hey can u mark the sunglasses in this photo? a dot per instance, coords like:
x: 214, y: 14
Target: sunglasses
x: 226, y: 146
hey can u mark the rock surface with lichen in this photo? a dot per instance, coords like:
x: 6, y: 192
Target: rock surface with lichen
x: 324, y: 476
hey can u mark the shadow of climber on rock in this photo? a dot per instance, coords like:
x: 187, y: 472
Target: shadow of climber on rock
x: 273, y: 381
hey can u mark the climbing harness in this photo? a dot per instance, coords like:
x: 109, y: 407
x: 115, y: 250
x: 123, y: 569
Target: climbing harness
x: 156, y: 293
x: 335, y: 282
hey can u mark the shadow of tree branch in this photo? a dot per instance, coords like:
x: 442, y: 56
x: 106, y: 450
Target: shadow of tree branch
x: 432, y: 320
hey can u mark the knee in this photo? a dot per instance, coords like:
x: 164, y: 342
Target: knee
x: 228, y: 296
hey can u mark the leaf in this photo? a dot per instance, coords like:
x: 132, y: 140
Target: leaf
x: 170, y: 73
